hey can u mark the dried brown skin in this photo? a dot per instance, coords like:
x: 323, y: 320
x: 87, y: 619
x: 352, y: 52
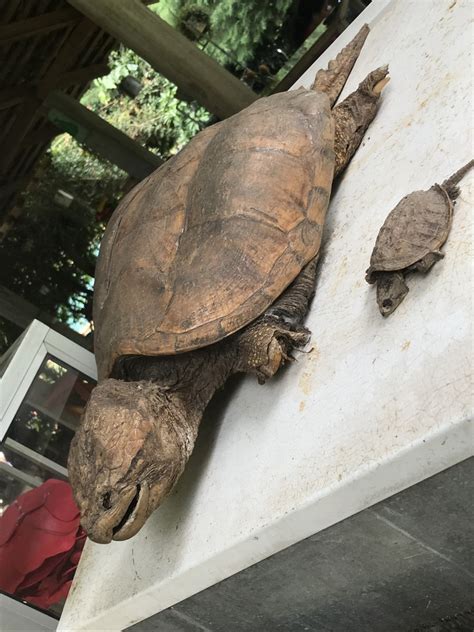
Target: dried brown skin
x: 410, y: 239
x: 240, y: 217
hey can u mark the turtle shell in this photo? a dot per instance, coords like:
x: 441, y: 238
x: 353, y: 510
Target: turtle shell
x: 207, y: 242
x: 418, y: 225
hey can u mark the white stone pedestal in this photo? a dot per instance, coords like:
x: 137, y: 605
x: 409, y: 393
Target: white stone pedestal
x: 379, y: 404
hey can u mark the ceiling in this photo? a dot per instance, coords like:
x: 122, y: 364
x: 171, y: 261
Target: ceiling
x: 44, y: 45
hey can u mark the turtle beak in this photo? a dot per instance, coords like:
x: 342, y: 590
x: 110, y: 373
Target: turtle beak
x: 133, y: 514
x: 123, y: 520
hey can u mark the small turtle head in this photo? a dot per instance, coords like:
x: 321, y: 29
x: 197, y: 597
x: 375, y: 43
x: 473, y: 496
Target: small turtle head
x: 125, y: 458
x: 391, y: 290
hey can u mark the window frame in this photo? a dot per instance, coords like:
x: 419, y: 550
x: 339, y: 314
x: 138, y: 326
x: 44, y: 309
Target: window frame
x: 38, y: 341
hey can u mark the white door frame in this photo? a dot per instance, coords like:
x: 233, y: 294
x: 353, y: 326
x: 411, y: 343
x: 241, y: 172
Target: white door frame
x: 24, y: 360
x: 38, y: 341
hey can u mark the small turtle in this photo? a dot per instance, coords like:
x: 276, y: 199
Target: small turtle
x: 206, y: 269
x: 410, y: 239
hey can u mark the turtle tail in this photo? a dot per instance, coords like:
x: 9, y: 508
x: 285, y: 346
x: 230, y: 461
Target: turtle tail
x: 332, y: 80
x: 449, y: 185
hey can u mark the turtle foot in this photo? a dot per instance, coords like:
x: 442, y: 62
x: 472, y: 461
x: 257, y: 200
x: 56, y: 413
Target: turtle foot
x: 265, y: 346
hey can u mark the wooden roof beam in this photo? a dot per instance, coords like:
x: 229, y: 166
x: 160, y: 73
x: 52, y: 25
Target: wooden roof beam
x: 170, y: 53
x: 99, y: 136
x: 27, y: 112
x: 14, y: 95
x: 78, y: 76
x: 17, y: 94
x: 38, y: 25
x: 25, y: 117
x: 40, y: 136
x: 42, y: 24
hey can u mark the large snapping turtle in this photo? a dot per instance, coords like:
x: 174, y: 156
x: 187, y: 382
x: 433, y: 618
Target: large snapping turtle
x: 206, y: 269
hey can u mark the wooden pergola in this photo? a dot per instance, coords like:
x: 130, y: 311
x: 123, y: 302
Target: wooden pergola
x: 42, y: 49
x: 51, y: 52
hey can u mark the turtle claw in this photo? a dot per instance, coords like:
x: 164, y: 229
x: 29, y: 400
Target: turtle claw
x: 267, y: 345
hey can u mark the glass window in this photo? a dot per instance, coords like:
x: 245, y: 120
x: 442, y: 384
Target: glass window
x: 10, y: 486
x: 36, y: 445
x: 51, y: 411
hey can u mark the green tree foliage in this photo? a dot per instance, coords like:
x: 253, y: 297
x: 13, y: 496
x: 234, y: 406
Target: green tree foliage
x: 238, y: 27
x: 156, y: 117
x: 49, y: 256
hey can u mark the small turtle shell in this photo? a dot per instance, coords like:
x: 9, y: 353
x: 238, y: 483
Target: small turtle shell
x: 418, y: 225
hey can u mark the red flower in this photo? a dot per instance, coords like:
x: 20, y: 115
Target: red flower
x: 40, y: 544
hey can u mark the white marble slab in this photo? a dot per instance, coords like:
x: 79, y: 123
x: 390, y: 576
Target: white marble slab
x: 379, y: 404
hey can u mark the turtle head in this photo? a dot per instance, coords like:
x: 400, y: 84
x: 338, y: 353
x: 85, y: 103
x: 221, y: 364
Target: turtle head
x: 125, y: 457
x: 391, y: 290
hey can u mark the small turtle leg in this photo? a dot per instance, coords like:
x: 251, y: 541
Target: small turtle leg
x: 391, y: 290
x: 267, y: 343
x: 427, y: 262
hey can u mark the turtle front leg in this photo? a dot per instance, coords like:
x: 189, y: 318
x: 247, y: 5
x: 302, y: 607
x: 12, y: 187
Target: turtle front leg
x: 266, y: 344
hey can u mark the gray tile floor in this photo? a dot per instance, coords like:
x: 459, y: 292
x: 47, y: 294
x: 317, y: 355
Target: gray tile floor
x: 404, y: 563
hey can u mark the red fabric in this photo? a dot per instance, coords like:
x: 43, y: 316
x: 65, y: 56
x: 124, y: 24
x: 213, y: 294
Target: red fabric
x: 40, y: 544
